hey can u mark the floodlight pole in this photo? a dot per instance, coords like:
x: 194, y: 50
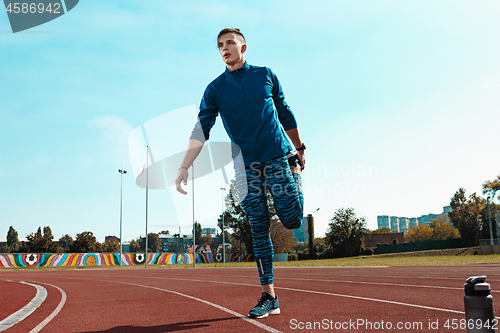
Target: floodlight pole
x: 121, y: 212
x: 194, y: 222
x: 310, y: 231
x: 223, y: 234
x: 489, y: 220
x: 147, y: 190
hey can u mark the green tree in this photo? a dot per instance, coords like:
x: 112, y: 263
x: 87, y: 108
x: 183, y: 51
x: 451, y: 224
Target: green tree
x: 466, y: 216
x: 299, y: 246
x: 206, y: 239
x: 154, y: 243
x: 443, y: 231
x: 38, y: 243
x: 345, y: 233
x: 47, y: 244
x: 85, y: 242
x: 135, y: 246
x: 383, y: 230
x: 492, y: 187
x: 12, y: 240
x: 199, y: 232
x: 419, y: 233
x: 485, y: 230
x: 111, y: 246
x: 32, y: 244
x: 4, y: 248
x: 65, y: 243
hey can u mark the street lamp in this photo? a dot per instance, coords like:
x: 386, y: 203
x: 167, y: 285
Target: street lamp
x: 489, y: 220
x: 222, y: 189
x: 121, y: 201
x: 310, y: 231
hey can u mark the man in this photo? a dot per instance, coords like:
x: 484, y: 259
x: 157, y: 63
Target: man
x: 258, y: 120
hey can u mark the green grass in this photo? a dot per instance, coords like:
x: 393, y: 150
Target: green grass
x: 423, y: 258
x: 397, y: 261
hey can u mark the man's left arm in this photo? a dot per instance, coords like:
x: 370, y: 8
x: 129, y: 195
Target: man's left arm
x: 294, y: 136
x: 286, y: 117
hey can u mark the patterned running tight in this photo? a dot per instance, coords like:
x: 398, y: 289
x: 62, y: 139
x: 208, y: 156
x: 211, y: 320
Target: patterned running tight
x: 253, y: 183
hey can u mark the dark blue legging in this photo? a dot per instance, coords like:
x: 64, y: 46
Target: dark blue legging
x: 286, y: 189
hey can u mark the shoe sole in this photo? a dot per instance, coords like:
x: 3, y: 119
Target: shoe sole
x: 270, y: 312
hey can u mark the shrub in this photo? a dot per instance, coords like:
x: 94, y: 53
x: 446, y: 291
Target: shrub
x: 293, y: 256
x: 368, y: 252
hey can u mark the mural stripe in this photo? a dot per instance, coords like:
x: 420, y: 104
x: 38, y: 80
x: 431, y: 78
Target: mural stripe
x: 15, y: 260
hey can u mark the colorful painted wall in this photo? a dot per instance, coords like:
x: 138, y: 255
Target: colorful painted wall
x: 113, y: 259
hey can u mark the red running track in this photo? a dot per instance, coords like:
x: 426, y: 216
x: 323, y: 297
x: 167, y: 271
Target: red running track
x: 316, y: 299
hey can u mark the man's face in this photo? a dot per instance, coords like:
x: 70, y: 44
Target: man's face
x: 231, y: 48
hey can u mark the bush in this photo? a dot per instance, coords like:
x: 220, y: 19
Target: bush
x: 368, y: 252
x: 394, y: 241
x: 293, y: 256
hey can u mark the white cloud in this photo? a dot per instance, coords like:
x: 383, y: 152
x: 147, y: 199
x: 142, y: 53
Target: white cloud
x: 112, y: 142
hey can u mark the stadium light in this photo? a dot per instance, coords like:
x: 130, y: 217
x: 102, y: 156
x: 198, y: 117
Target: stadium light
x: 121, y: 202
x: 223, y: 235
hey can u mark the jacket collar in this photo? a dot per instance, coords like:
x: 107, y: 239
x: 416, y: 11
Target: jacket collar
x: 242, y: 69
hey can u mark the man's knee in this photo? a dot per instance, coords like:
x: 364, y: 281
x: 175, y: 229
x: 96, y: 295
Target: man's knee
x: 294, y: 223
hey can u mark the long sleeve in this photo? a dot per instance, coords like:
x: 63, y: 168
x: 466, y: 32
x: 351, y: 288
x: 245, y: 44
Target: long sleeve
x: 206, y: 117
x: 285, y: 115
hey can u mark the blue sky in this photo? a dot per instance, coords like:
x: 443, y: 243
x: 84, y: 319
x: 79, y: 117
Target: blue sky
x: 397, y: 102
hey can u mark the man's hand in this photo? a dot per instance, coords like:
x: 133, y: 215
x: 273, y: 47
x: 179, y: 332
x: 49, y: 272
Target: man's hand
x: 182, y: 176
x: 302, y: 157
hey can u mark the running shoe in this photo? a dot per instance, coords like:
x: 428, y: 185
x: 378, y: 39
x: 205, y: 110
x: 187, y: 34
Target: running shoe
x: 267, y: 306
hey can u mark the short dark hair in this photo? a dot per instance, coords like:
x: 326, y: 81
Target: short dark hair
x: 230, y: 31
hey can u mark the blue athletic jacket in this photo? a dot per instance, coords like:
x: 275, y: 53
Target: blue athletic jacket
x: 244, y: 98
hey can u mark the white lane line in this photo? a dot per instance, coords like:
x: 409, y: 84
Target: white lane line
x: 326, y: 293
x: 354, y: 282
x: 21, y: 314
x: 378, y: 283
x: 54, y: 313
x: 403, y: 277
x: 234, y: 313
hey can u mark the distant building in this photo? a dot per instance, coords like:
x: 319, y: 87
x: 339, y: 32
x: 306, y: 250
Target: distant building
x: 383, y: 221
x: 404, y: 223
x: 174, y: 243
x: 126, y: 247
x: 400, y: 224
x: 374, y: 239
x: 302, y: 233
x: 413, y: 222
x: 427, y: 219
x: 199, y: 248
x: 108, y: 238
x: 394, y: 223
x: 211, y: 231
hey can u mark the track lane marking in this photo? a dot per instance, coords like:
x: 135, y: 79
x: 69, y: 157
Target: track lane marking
x: 54, y: 313
x: 403, y: 277
x: 327, y: 293
x: 354, y: 282
x: 234, y: 313
x: 21, y: 314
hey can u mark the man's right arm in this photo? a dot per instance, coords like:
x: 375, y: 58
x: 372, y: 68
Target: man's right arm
x: 201, y: 133
x: 193, y: 150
